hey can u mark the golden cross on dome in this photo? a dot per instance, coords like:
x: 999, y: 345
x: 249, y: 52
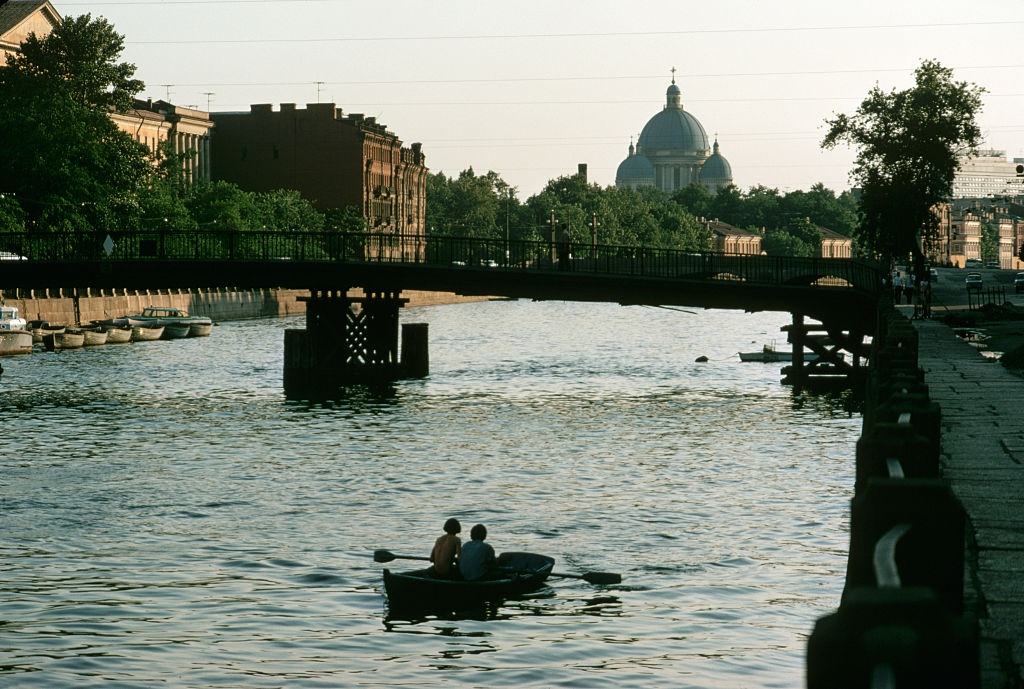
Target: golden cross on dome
x: 673, y: 75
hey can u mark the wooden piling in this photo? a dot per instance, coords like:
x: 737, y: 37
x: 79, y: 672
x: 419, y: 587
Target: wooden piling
x: 415, y: 350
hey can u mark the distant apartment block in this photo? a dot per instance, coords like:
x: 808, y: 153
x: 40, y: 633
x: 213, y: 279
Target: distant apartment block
x: 988, y: 174
x: 332, y: 159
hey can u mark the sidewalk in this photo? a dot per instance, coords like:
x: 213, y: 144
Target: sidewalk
x: 983, y: 459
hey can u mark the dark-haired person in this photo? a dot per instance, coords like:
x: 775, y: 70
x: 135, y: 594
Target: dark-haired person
x: 447, y: 549
x: 477, y: 559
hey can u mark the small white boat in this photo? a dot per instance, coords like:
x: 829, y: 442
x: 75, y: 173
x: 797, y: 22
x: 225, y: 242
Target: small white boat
x: 40, y: 329
x: 15, y: 342
x: 769, y: 354
x: 118, y: 335
x: 200, y: 329
x: 69, y: 339
x: 142, y: 333
x: 94, y: 337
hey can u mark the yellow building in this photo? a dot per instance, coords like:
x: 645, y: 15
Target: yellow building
x: 19, y: 19
x: 148, y: 122
x: 730, y: 239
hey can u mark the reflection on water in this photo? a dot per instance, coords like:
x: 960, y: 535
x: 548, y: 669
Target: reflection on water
x: 166, y: 516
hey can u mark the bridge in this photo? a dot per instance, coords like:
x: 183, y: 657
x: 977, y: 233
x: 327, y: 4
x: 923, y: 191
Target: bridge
x: 841, y: 294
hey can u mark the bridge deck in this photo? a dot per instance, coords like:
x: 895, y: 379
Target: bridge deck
x: 983, y: 458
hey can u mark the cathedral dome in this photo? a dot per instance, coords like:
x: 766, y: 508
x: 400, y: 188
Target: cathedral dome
x: 673, y: 129
x: 716, y: 169
x: 635, y: 170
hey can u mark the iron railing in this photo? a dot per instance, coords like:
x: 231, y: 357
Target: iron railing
x: 450, y: 252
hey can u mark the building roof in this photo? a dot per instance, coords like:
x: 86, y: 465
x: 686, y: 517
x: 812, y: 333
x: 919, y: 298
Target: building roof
x: 724, y: 229
x: 831, y: 234
x: 13, y: 13
x: 673, y: 129
x: 716, y: 168
x: 635, y: 169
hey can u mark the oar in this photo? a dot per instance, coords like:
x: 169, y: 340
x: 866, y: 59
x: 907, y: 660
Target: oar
x: 590, y: 577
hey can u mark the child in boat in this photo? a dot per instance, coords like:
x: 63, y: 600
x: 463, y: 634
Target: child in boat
x: 477, y: 559
x: 447, y: 549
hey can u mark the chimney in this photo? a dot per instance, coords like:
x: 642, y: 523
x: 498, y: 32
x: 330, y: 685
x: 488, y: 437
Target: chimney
x: 261, y: 108
x: 581, y: 171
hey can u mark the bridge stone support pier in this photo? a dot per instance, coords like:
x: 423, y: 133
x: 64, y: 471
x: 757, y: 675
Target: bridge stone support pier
x: 829, y: 353
x: 348, y: 340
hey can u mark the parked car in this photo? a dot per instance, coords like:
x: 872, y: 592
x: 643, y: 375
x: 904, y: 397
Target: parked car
x: 933, y: 275
x: 973, y: 282
x: 1018, y: 282
x: 972, y: 263
x: 991, y: 264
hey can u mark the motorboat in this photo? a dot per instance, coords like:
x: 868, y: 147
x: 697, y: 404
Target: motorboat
x: 169, y: 315
x: 768, y: 353
x: 15, y: 338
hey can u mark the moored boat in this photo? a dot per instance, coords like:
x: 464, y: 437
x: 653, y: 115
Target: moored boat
x: 175, y: 331
x: 768, y: 354
x: 167, y: 315
x: 200, y: 329
x: 15, y: 342
x: 71, y: 338
x: 118, y: 335
x: 521, y: 573
x: 142, y: 333
x: 15, y: 337
x: 40, y: 329
x: 94, y: 337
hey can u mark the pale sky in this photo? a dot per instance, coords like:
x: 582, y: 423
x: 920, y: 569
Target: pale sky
x: 530, y: 89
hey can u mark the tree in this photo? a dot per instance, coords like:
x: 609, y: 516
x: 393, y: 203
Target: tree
x: 908, y: 143
x: 65, y: 161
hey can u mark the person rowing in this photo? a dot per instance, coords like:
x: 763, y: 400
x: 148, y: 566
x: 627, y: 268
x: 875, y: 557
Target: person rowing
x: 447, y: 550
x: 477, y: 559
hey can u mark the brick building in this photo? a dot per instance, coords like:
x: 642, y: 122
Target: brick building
x: 334, y: 160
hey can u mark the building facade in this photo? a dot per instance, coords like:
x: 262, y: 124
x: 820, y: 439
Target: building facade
x: 673, y: 152
x: 148, y: 122
x: 989, y: 174
x: 152, y: 123
x: 19, y: 19
x: 729, y: 239
x: 334, y: 160
x: 833, y: 244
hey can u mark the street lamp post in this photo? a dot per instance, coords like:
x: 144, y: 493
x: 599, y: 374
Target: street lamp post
x: 552, y: 224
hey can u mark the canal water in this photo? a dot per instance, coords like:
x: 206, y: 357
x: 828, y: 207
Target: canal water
x: 167, y: 518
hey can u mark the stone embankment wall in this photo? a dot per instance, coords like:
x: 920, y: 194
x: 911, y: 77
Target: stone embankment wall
x: 219, y: 304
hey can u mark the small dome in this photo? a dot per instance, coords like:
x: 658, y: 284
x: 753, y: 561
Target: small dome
x: 716, y: 169
x: 673, y: 90
x: 634, y: 170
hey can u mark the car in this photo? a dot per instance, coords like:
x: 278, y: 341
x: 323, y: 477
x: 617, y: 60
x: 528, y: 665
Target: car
x: 933, y: 275
x: 972, y: 263
x: 973, y: 282
x: 991, y: 264
x: 1018, y: 282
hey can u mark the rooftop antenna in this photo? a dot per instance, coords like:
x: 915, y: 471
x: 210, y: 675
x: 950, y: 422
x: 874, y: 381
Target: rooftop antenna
x: 318, y: 84
x: 208, y: 95
x: 168, y: 93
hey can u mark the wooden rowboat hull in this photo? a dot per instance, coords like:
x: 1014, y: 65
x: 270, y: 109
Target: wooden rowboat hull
x: 15, y: 342
x: 143, y: 334
x: 418, y: 590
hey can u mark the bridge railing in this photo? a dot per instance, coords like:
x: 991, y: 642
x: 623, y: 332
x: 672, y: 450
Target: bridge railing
x: 442, y: 251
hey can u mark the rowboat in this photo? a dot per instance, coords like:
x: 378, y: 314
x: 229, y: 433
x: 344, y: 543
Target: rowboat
x: 142, y: 333
x: 176, y: 331
x: 768, y: 354
x: 94, y: 337
x: 521, y: 573
x: 40, y: 329
x: 69, y: 339
x: 200, y: 329
x: 118, y: 335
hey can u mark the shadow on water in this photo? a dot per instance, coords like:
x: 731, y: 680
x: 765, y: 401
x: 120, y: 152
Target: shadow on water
x: 351, y: 397
x: 838, y: 401
x: 544, y: 604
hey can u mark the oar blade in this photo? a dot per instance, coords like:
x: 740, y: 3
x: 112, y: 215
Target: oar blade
x: 602, y: 577
x: 383, y: 556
